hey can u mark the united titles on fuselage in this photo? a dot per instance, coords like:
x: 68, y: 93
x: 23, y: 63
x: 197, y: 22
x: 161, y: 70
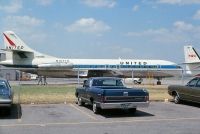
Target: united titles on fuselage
x: 132, y: 63
x: 62, y: 61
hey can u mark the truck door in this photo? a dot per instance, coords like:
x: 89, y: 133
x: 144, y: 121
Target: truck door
x: 84, y: 91
x: 87, y: 91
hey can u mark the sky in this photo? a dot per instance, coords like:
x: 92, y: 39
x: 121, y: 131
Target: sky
x: 135, y: 29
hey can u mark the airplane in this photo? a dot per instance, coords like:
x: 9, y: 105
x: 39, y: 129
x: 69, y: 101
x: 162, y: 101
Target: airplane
x: 21, y: 56
x: 192, y: 61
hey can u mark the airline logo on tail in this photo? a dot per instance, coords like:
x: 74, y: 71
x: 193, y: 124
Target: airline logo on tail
x: 191, y: 55
x: 11, y: 43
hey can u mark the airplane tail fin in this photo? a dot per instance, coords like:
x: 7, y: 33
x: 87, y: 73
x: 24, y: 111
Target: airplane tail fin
x: 17, y: 52
x: 13, y: 43
x: 192, y: 60
x: 191, y: 56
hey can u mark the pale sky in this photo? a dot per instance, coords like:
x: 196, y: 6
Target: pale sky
x: 144, y: 29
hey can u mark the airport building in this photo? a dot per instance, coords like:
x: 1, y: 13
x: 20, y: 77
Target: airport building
x: 7, y: 73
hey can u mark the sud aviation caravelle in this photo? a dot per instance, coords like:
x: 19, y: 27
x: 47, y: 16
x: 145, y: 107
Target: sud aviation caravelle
x: 21, y: 56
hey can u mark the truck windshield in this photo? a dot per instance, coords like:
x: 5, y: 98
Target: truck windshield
x: 107, y: 82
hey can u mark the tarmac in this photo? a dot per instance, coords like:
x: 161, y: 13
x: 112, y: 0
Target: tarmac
x: 159, y: 117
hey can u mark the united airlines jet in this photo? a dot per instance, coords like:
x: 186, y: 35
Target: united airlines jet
x: 21, y: 56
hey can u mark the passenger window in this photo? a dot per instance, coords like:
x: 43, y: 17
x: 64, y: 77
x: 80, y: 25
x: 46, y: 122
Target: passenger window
x: 2, y: 86
x: 119, y: 83
x: 97, y: 83
x: 192, y: 83
x: 198, y: 84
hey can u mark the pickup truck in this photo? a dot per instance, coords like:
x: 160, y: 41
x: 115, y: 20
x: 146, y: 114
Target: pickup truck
x: 110, y: 93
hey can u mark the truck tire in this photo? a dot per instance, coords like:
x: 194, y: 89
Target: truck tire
x: 132, y: 110
x: 79, y: 101
x: 95, y: 109
x: 8, y: 110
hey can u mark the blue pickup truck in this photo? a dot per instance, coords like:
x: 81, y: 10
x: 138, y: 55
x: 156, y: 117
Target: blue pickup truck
x: 110, y: 93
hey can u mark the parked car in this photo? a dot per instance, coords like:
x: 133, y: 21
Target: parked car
x: 110, y: 93
x: 189, y: 92
x: 6, y: 95
x: 134, y: 80
x: 137, y: 80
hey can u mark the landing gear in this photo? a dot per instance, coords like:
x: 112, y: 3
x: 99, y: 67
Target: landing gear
x: 159, y: 81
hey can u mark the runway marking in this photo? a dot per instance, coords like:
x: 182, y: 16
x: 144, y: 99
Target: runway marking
x: 85, y: 113
x: 94, y: 122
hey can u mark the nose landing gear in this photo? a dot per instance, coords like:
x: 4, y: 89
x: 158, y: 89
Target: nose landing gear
x: 159, y: 81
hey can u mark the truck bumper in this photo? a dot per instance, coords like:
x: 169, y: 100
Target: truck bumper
x: 123, y: 105
x: 5, y: 103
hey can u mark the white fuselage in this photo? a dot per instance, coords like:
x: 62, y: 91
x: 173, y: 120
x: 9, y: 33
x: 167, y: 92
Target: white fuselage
x: 126, y: 67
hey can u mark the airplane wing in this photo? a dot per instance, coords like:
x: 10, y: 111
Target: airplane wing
x: 105, y: 73
x: 128, y: 73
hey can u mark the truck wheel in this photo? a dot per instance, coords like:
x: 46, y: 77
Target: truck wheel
x: 79, y: 101
x: 176, y: 99
x: 8, y: 110
x: 95, y: 109
x: 132, y: 110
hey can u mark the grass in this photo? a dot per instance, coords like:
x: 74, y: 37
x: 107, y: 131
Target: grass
x: 157, y: 92
x: 37, y: 94
x: 44, y: 94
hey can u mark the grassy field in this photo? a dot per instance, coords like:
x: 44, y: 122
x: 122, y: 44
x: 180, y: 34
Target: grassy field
x: 37, y: 94
x: 157, y: 93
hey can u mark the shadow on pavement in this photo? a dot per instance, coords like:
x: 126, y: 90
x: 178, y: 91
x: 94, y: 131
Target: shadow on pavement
x: 192, y: 104
x: 187, y: 103
x: 124, y: 113
x: 14, y: 113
